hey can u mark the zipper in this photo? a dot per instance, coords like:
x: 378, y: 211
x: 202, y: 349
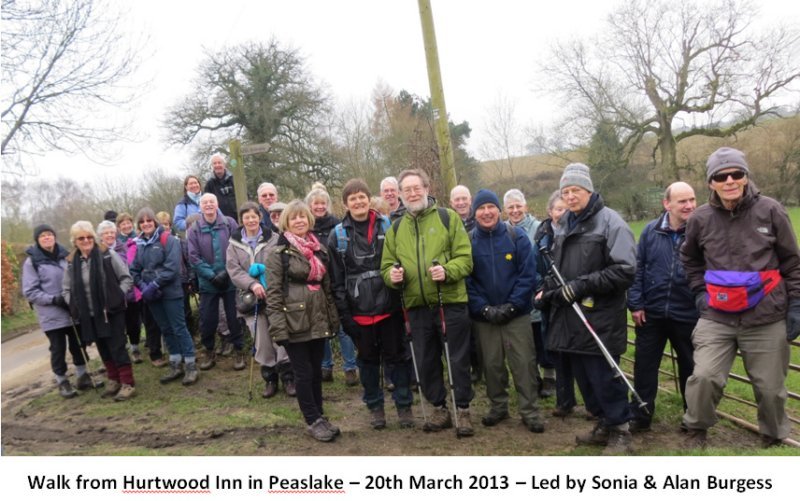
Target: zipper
x: 419, y: 260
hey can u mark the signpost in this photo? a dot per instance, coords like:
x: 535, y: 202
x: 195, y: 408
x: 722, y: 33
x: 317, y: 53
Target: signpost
x: 236, y: 164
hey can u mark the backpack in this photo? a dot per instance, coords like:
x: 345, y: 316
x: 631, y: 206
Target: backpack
x: 342, y: 238
x: 511, y: 231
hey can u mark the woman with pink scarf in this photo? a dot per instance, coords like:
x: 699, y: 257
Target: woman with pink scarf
x: 301, y: 310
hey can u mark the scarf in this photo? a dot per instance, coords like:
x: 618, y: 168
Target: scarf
x: 307, y: 247
x: 252, y: 241
x: 194, y: 197
x: 89, y: 328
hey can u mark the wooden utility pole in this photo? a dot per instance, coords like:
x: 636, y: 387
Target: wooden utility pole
x: 446, y: 162
x: 236, y: 165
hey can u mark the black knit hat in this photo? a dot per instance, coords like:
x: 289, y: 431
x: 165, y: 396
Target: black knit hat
x: 41, y: 229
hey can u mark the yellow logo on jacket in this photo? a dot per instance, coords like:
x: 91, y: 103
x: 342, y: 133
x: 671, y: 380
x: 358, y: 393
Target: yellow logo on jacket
x: 509, y: 257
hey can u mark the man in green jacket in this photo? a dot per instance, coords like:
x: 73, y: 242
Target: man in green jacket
x: 426, y: 235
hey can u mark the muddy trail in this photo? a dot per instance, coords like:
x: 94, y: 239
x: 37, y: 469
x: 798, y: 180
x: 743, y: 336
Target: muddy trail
x: 215, y: 417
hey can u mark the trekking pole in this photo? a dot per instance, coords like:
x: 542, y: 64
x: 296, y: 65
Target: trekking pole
x: 253, y: 351
x: 85, y: 353
x: 447, y: 351
x: 411, y: 344
x: 675, y: 370
x: 598, y: 341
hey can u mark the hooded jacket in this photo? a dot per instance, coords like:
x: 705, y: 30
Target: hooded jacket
x: 208, y: 245
x: 223, y: 189
x: 42, y: 277
x: 156, y: 263
x: 756, y: 235
x: 240, y: 256
x: 185, y: 208
x: 416, y: 243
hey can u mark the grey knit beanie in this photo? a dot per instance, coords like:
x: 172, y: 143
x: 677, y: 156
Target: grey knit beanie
x: 725, y: 158
x: 576, y: 175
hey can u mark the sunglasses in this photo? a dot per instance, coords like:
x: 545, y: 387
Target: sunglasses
x: 83, y: 239
x: 721, y: 178
x: 146, y: 221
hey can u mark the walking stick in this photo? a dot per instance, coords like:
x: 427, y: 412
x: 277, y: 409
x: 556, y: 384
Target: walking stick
x: 597, y: 340
x: 253, y: 351
x: 85, y: 353
x: 675, y: 370
x: 447, y: 351
x: 411, y: 344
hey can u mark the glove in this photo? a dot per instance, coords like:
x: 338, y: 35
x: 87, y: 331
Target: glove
x: 60, y: 302
x: 506, y: 312
x: 793, y: 320
x: 700, y: 302
x: 282, y: 342
x: 492, y: 315
x: 572, y: 291
x: 221, y: 280
x: 151, y: 292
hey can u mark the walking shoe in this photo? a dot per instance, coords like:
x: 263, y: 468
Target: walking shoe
x: 175, y: 372
x: 111, y: 389
x: 208, y: 361
x: 533, y: 424
x: 335, y: 429
x: 66, y: 390
x: 290, y: 388
x: 767, y: 442
x: 548, y: 387
x: 218, y: 349
x: 227, y: 348
x: 405, y: 417
x: 377, y: 418
x: 389, y: 386
x: 126, y: 392
x: 598, y: 436
x: 84, y: 382
x: 619, y: 441
x: 327, y: 375
x: 159, y: 362
x: 350, y: 377
x: 695, y: 439
x: 320, y: 431
x: 238, y: 361
x: 638, y: 426
x: 192, y: 374
x: 136, y: 356
x: 439, y: 420
x: 270, y: 389
x: 493, y: 418
x: 464, y: 423
x: 562, y: 412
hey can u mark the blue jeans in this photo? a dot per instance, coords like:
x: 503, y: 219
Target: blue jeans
x: 168, y: 314
x: 348, y: 352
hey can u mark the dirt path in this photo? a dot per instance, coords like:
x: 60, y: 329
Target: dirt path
x: 214, y: 417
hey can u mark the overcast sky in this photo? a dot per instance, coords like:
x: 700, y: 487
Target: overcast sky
x: 486, y: 49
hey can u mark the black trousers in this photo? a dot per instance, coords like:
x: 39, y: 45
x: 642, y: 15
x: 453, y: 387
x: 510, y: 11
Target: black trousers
x: 651, y: 339
x: 59, y: 340
x: 427, y: 337
x: 604, y: 394
x: 306, y: 359
x: 133, y: 321
x: 209, y: 318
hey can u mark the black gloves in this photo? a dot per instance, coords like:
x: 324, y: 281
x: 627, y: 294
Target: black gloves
x: 793, y: 319
x: 221, y: 280
x: 499, y: 315
x: 572, y: 291
x: 700, y: 301
x: 60, y: 302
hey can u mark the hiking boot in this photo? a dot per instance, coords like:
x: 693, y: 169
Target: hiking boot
x: 350, y: 377
x: 159, y: 362
x: 238, y: 361
x: 136, y: 356
x: 66, y: 390
x: 335, y: 429
x: 377, y: 418
x: 208, y: 361
x: 111, y: 389
x: 562, y: 412
x: 175, y: 372
x: 598, y: 436
x: 270, y: 389
x: 405, y: 417
x: 767, y: 442
x: 439, y: 420
x: 192, y: 374
x: 464, y: 423
x: 126, y: 392
x: 548, y: 387
x: 290, y: 388
x: 320, y: 431
x: 84, y: 382
x: 619, y: 441
x: 695, y: 439
x: 227, y: 349
x: 533, y: 424
x: 327, y: 375
x: 638, y: 426
x: 493, y: 418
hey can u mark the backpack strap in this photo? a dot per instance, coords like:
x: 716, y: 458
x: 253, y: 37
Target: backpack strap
x: 444, y: 216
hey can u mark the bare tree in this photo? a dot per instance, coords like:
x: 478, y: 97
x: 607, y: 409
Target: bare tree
x: 676, y: 70
x: 505, y: 136
x: 66, y: 68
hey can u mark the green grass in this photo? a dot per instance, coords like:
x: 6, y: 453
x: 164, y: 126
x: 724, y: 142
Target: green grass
x: 11, y: 325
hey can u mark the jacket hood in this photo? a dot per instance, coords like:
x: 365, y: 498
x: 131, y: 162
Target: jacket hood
x: 38, y: 256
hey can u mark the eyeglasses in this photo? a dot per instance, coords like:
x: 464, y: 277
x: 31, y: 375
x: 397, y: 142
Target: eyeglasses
x: 84, y: 238
x: 721, y: 178
x: 413, y: 189
x: 146, y: 221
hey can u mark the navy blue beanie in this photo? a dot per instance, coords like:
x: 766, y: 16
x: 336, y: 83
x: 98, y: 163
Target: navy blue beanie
x: 485, y: 197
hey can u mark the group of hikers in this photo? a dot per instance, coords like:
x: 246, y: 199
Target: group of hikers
x: 430, y: 299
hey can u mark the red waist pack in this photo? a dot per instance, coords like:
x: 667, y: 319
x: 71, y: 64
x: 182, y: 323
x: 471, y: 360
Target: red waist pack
x: 735, y: 291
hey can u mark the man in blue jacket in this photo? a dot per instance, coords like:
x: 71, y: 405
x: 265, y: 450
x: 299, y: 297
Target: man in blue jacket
x: 660, y: 301
x: 500, y: 299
